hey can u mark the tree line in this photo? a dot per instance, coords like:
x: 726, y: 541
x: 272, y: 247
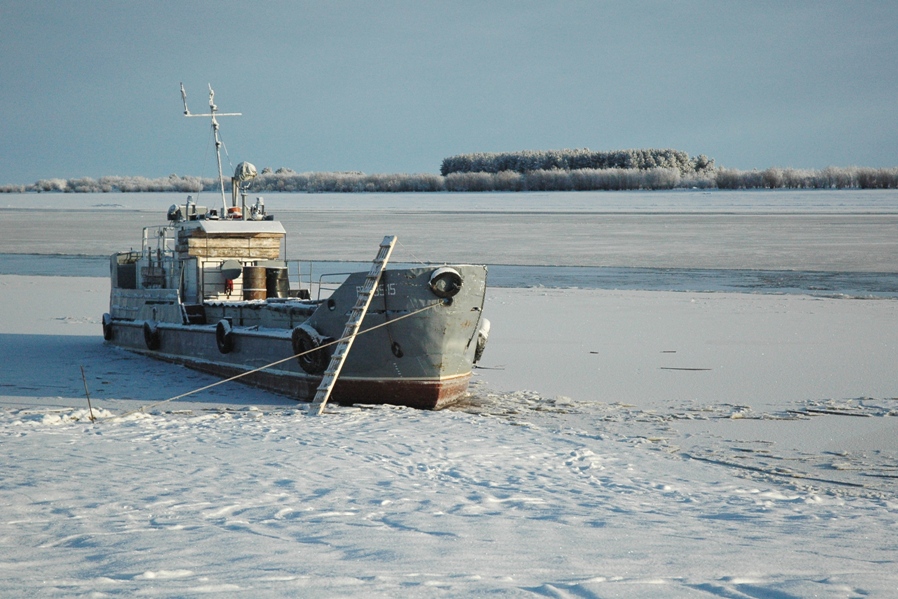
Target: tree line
x: 670, y: 176
x: 570, y: 160
x: 831, y: 177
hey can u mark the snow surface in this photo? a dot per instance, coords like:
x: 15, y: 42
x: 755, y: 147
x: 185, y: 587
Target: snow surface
x: 615, y: 444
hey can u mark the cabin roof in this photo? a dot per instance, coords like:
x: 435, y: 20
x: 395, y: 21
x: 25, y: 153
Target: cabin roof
x: 219, y: 227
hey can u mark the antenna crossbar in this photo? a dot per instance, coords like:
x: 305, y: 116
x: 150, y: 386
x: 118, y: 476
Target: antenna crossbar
x: 213, y: 113
x: 216, y: 114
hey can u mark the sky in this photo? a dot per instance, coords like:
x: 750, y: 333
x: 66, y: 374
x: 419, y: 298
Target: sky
x: 92, y: 88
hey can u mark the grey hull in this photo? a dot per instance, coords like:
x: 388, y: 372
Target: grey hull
x: 413, y: 349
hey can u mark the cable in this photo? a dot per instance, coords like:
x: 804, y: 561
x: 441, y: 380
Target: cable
x: 412, y: 254
x: 281, y: 361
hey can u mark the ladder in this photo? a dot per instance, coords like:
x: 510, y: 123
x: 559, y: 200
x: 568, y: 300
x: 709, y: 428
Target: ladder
x: 356, y: 315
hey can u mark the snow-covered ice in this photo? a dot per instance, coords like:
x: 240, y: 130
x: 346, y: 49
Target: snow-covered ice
x: 393, y: 502
x: 616, y: 443
x: 546, y: 482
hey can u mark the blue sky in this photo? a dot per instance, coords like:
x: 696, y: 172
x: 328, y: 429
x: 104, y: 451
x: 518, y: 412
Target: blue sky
x: 91, y: 88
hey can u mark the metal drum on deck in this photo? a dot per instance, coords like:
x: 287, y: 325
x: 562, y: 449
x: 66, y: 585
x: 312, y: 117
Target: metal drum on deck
x: 254, y: 283
x: 277, y: 284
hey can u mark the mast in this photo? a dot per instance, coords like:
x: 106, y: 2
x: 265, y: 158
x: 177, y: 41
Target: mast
x: 213, y: 111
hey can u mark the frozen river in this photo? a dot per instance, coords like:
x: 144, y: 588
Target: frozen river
x: 826, y: 242
x: 615, y: 443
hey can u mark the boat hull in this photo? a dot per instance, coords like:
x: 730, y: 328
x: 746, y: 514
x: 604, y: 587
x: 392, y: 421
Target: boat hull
x: 413, y: 349
x: 422, y: 394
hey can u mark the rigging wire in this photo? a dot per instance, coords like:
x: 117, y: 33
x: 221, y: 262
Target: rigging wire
x: 228, y: 156
x: 411, y: 253
x: 205, y: 162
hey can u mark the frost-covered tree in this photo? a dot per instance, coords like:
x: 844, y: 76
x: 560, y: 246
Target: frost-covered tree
x: 577, y: 159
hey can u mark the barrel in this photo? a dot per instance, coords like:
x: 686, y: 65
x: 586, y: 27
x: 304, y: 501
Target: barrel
x: 254, y: 283
x: 277, y: 284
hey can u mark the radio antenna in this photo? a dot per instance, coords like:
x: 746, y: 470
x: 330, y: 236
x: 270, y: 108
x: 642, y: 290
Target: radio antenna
x: 213, y: 112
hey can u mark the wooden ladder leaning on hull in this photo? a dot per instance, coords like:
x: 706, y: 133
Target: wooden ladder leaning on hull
x: 356, y: 315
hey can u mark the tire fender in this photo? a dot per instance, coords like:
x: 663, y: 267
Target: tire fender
x: 151, y: 335
x: 482, y: 336
x: 305, y: 341
x: 107, y: 327
x: 224, y: 337
x: 445, y: 282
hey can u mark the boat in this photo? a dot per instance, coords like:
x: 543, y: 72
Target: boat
x: 213, y: 290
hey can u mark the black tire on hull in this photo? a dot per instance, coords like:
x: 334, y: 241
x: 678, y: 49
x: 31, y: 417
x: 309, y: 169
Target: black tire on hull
x: 445, y: 282
x: 224, y: 338
x: 482, y: 336
x: 151, y: 336
x: 478, y: 350
x: 107, y: 327
x: 313, y: 362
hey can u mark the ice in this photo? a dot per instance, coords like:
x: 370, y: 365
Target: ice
x: 615, y: 443
x: 833, y: 230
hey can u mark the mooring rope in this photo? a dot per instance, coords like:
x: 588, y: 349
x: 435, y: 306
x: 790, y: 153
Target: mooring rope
x: 281, y: 361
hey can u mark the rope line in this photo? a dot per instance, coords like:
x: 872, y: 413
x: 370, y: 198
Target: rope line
x: 411, y: 253
x: 281, y: 361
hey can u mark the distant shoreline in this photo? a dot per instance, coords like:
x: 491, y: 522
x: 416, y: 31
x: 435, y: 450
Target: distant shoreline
x: 587, y: 179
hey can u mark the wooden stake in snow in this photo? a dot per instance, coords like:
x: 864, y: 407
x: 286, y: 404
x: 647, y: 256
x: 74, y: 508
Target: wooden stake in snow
x: 90, y: 410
